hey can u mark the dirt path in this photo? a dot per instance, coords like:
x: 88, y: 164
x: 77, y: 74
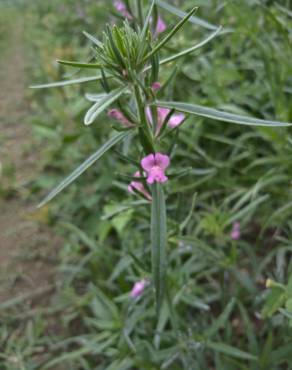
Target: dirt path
x: 27, y: 250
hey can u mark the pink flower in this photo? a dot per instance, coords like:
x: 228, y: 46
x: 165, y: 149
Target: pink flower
x: 138, y: 288
x: 119, y: 116
x: 155, y: 165
x: 121, y: 8
x: 156, y: 86
x: 235, y: 232
x: 160, y: 26
x: 174, y: 121
x: 138, y: 186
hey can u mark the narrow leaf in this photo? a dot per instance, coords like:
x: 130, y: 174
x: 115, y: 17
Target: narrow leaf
x: 83, y: 167
x: 230, y: 351
x: 147, y: 20
x: 158, y: 242
x: 170, y: 34
x: 79, y: 65
x: 102, y: 104
x: 247, y: 211
x: 221, y: 320
x: 191, y: 49
x: 67, y: 82
x: 219, y: 115
x: 180, y: 13
x: 93, y: 39
x: 274, y: 301
x: 94, y: 97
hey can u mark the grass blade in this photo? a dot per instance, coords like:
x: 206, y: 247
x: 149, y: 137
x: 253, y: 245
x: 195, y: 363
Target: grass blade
x: 230, y: 351
x: 83, y: 167
x: 67, y: 82
x: 220, y: 115
x: 221, y: 320
x: 158, y: 242
x: 102, y: 104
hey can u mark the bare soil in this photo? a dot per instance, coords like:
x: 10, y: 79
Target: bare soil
x: 28, y: 249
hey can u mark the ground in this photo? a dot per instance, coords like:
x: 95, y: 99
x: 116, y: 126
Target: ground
x: 28, y: 249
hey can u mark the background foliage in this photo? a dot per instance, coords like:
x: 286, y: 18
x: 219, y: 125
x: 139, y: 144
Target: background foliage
x: 223, y: 316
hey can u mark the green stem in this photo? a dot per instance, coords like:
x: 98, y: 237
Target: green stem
x: 145, y: 133
x: 158, y: 243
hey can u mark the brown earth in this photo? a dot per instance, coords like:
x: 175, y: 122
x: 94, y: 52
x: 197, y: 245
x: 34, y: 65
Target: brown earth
x: 28, y: 249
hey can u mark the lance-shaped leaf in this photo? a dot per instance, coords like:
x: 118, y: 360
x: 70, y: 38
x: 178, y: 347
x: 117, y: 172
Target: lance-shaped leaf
x: 180, y: 13
x: 170, y: 34
x: 191, y: 49
x: 147, y: 20
x: 219, y: 115
x: 95, y: 97
x: 158, y: 242
x: 93, y: 39
x: 79, y: 64
x: 220, y: 322
x: 67, y: 82
x: 230, y: 351
x: 102, y: 104
x: 84, y: 166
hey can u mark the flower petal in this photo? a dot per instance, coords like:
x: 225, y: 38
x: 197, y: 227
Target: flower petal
x: 176, y: 120
x: 149, y: 115
x: 121, y: 8
x: 156, y: 86
x: 151, y: 178
x: 162, y: 114
x: 148, y: 162
x: 138, y: 288
x: 119, y: 116
x: 161, y: 26
x: 162, y: 160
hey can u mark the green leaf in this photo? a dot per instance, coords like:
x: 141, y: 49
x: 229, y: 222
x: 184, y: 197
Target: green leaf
x: 289, y: 286
x: 96, y: 346
x: 84, y: 166
x: 93, y: 39
x: 68, y: 82
x: 275, y: 300
x: 180, y: 13
x: 247, y: 211
x: 95, y: 97
x: 191, y: 49
x: 219, y: 115
x: 186, y: 221
x: 124, y: 364
x: 79, y: 65
x: 147, y: 20
x: 102, y: 104
x: 158, y: 242
x: 170, y: 34
x: 288, y: 305
x: 230, y: 351
x: 221, y: 320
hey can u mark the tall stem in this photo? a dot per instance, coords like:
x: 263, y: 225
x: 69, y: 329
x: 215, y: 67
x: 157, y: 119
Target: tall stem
x: 146, y: 136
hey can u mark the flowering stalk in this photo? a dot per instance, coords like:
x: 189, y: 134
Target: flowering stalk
x: 127, y: 64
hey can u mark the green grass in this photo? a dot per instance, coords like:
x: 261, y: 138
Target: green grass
x: 216, y: 286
